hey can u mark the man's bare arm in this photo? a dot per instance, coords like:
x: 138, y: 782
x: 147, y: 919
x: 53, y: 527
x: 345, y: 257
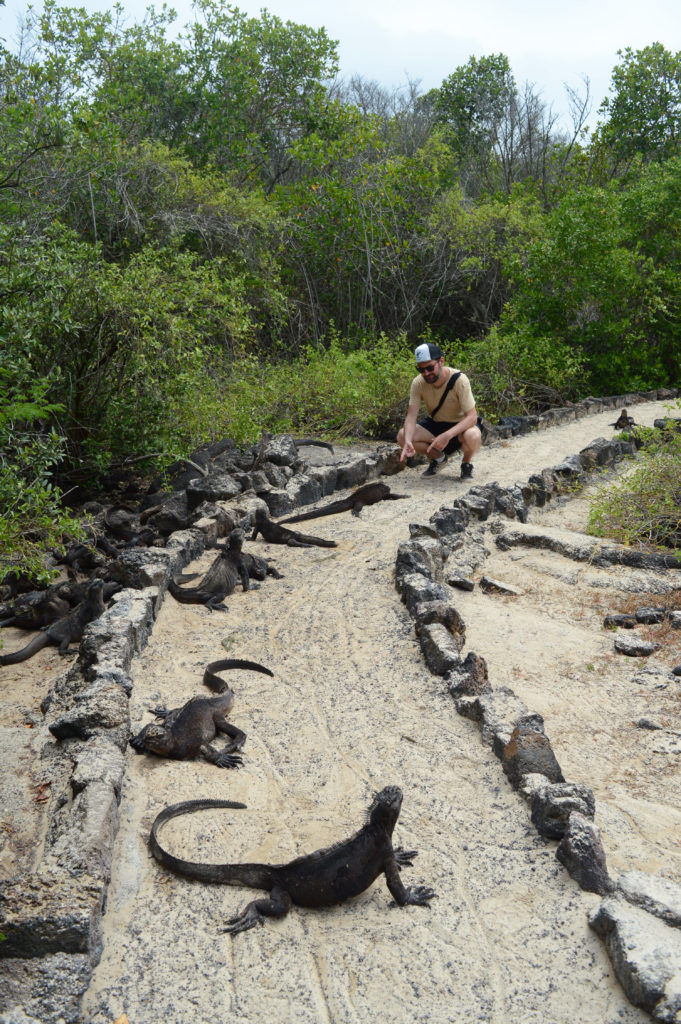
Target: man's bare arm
x: 408, y: 432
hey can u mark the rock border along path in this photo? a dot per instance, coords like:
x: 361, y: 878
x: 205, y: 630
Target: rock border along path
x: 639, y: 918
x: 52, y: 917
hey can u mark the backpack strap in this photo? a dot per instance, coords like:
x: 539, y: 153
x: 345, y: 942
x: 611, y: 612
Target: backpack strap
x: 448, y: 387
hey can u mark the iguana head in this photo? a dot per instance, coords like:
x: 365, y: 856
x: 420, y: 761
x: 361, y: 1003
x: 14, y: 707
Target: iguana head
x: 385, y: 808
x: 155, y: 739
x: 235, y: 539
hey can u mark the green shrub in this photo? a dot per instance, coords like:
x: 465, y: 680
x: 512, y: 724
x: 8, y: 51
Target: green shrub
x: 33, y: 520
x: 336, y: 391
x: 514, y: 372
x: 644, y: 507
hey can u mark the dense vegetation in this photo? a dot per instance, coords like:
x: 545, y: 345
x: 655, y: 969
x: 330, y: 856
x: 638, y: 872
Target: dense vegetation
x: 643, y: 508
x: 209, y: 234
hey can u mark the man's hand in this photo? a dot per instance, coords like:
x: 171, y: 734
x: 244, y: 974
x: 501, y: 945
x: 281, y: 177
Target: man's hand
x: 438, y: 443
x: 407, y: 451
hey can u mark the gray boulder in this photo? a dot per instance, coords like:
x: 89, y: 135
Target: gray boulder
x: 634, y: 647
x: 279, y: 502
x: 414, y: 588
x: 551, y: 806
x: 443, y: 612
x: 653, y: 893
x: 498, y: 713
x: 646, y: 955
x: 304, y: 489
x: 581, y: 852
x: 215, y: 487
x: 40, y: 915
x: 281, y: 450
x: 423, y: 555
x: 470, y: 678
x: 440, y: 648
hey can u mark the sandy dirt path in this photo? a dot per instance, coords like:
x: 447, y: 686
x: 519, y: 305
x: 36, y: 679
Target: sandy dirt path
x: 351, y: 708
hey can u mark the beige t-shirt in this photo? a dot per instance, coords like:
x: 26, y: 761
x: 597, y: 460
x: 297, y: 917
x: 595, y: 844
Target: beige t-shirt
x: 458, y: 402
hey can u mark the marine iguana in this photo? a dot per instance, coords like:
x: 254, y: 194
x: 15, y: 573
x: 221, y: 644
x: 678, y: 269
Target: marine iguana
x: 367, y: 494
x: 189, y: 731
x: 258, y: 568
x: 320, y: 879
x: 121, y: 522
x: 623, y: 421
x: 14, y: 583
x: 275, y: 533
x: 35, y: 611
x: 43, y: 607
x: 221, y: 578
x: 64, y: 631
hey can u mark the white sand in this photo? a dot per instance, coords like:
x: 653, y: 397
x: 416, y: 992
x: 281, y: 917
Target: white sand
x: 352, y: 707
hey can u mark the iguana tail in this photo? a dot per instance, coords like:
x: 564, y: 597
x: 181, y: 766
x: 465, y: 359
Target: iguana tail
x: 257, y: 876
x: 341, y: 505
x: 218, y: 685
x: 35, y: 645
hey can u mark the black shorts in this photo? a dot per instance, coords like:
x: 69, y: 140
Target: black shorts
x: 436, y: 427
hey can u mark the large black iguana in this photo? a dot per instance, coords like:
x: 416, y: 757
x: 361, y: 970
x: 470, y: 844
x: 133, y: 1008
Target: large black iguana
x: 274, y: 533
x: 221, y: 578
x: 367, y: 494
x: 64, y: 631
x: 184, y: 733
x: 320, y: 879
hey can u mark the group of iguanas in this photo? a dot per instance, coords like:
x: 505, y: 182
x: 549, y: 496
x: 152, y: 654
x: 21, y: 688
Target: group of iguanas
x: 234, y: 564
x: 60, y: 623
x: 325, y: 877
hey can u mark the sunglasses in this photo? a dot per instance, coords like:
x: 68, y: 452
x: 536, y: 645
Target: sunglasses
x: 427, y: 369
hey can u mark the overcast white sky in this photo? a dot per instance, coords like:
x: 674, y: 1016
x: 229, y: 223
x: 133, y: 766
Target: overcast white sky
x: 546, y: 43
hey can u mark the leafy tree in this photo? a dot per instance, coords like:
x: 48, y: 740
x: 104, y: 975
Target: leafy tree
x: 502, y: 135
x: 518, y: 371
x: 472, y: 104
x: 644, y: 111
x: 232, y: 91
x: 259, y: 86
x: 604, y: 278
x: 359, y: 245
x: 476, y: 243
x: 404, y: 116
x: 31, y: 125
x: 651, y: 225
x: 129, y: 351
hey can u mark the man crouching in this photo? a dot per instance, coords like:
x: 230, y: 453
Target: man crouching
x: 452, y: 423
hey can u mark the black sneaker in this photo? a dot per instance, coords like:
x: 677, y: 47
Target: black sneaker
x: 466, y: 470
x: 435, y: 466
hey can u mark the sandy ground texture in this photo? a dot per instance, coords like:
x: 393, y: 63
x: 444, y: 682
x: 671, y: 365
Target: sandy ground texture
x: 352, y: 708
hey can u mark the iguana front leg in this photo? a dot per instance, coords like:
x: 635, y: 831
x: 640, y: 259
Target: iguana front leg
x: 278, y: 905
x: 245, y: 579
x: 404, y: 858
x: 417, y: 895
x: 237, y: 737
x: 221, y: 758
